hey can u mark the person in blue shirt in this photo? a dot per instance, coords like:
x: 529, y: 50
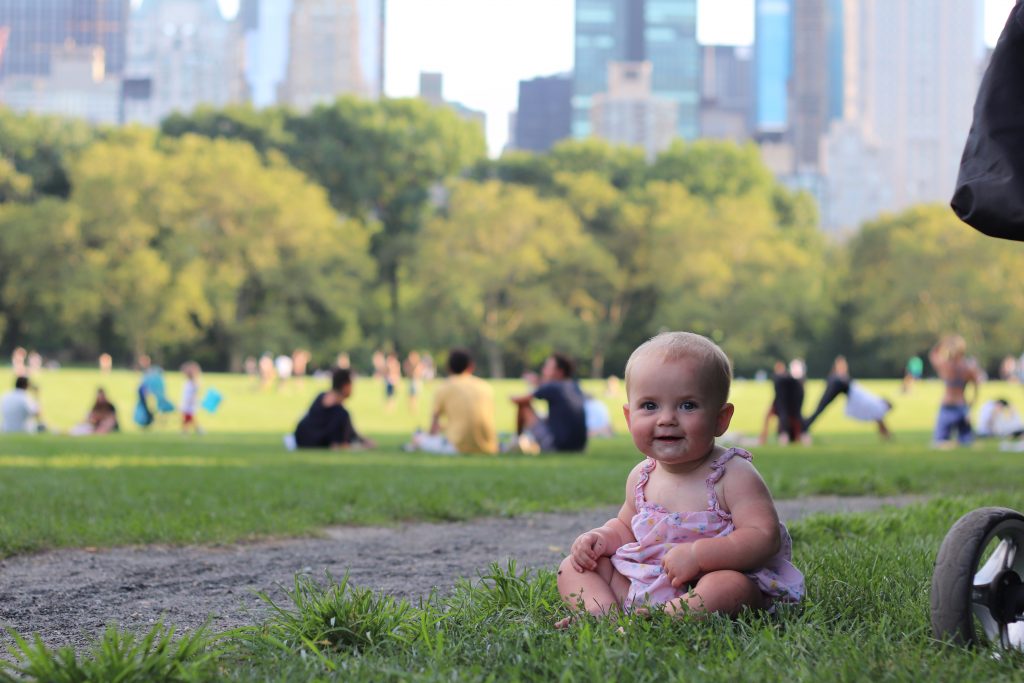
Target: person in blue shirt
x: 565, y: 427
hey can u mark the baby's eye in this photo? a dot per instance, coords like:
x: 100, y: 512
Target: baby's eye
x: 688, y: 405
x: 648, y: 405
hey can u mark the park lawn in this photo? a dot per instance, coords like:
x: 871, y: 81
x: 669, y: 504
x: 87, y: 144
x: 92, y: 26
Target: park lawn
x: 58, y: 491
x: 865, y: 618
x: 67, y: 394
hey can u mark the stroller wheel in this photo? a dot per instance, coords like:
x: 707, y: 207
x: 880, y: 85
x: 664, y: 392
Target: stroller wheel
x: 977, y: 592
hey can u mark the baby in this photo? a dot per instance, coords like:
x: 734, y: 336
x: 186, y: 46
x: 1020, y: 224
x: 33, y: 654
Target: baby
x: 698, y: 530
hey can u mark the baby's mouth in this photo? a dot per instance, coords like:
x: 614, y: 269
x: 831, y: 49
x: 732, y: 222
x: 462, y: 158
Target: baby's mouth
x: 669, y: 439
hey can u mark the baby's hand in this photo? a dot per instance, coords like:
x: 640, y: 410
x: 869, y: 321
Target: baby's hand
x: 586, y: 550
x: 680, y: 564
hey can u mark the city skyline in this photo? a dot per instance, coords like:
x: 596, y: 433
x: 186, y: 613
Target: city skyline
x: 440, y: 43
x: 483, y: 68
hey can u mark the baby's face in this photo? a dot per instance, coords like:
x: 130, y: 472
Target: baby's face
x: 672, y: 415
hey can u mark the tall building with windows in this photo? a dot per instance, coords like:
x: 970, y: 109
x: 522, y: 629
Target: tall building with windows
x: 335, y: 48
x: 631, y: 114
x: 662, y: 32
x: 773, y: 60
x: 36, y: 28
x: 76, y: 87
x: 727, y: 99
x: 544, y: 115
x: 910, y: 78
x: 181, y: 54
x: 816, y: 78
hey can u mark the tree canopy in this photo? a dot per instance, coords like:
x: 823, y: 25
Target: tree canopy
x: 359, y: 225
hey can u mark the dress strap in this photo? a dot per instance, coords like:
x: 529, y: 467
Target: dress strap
x: 717, y: 472
x: 641, y: 482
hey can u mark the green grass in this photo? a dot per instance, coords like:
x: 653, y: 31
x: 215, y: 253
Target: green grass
x: 238, y: 482
x: 67, y: 394
x: 101, y: 491
x: 865, y: 618
x: 868, y: 575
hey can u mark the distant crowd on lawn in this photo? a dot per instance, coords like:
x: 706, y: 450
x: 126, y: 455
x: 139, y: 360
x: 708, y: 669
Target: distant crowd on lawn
x: 463, y: 415
x: 463, y: 412
x: 961, y: 376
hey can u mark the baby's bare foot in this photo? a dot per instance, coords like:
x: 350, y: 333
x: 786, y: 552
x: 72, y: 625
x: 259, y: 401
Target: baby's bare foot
x: 567, y: 622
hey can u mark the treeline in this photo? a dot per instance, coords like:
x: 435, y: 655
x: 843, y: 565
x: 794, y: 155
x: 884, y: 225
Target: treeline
x: 364, y: 225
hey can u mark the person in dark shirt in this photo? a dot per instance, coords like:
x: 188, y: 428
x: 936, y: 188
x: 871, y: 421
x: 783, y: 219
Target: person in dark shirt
x: 565, y: 427
x: 328, y: 424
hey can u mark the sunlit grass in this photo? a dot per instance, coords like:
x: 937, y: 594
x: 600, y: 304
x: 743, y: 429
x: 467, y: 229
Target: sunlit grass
x: 865, y: 618
x: 57, y: 491
x: 67, y: 394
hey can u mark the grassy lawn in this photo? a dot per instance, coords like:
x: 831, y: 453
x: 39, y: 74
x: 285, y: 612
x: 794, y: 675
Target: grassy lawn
x: 868, y: 575
x: 238, y: 482
x: 865, y: 618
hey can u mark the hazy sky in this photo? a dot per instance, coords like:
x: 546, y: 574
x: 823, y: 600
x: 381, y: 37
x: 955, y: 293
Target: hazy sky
x: 485, y: 47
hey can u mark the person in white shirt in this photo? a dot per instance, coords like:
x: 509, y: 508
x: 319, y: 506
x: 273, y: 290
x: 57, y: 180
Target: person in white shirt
x: 997, y: 418
x: 862, y: 405
x: 19, y: 410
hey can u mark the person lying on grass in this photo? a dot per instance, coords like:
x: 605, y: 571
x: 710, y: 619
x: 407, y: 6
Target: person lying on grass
x: 698, y: 530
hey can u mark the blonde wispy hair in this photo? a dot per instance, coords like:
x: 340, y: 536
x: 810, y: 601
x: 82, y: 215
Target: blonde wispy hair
x: 672, y: 346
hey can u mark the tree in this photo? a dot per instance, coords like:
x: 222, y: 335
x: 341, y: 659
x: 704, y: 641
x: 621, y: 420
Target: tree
x: 729, y: 270
x: 198, y: 240
x: 383, y: 159
x: 710, y: 169
x: 498, y: 262
x: 264, y: 129
x: 41, y: 148
x: 921, y: 273
x: 43, y: 300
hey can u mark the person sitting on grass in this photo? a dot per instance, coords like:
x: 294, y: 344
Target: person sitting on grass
x: 698, y: 531
x: 998, y: 419
x: 102, y: 417
x: 565, y: 427
x: 327, y: 424
x: 466, y: 406
x: 19, y: 410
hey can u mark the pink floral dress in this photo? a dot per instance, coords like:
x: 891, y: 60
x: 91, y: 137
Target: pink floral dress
x: 658, y: 530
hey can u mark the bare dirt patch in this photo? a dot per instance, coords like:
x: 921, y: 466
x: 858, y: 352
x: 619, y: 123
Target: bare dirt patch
x: 69, y: 596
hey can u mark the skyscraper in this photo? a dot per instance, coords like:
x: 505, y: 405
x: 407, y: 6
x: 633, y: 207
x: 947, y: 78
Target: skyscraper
x: 727, y: 97
x: 334, y: 49
x: 545, y: 112
x: 909, y: 85
x: 190, y: 55
x: 816, y: 78
x: 662, y: 32
x: 630, y: 114
x: 38, y: 27
x: 773, y: 59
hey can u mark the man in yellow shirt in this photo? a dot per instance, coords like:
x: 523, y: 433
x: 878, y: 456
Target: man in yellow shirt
x: 466, y: 405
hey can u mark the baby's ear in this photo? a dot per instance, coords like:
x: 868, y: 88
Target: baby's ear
x: 724, y: 418
x: 625, y: 413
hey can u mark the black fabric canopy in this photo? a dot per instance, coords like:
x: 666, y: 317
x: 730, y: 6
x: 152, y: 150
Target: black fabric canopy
x: 990, y: 186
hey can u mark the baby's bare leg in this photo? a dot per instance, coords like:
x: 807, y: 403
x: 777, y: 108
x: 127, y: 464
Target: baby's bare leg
x: 724, y: 591
x: 601, y: 590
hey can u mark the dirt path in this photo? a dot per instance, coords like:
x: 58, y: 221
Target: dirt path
x: 69, y: 596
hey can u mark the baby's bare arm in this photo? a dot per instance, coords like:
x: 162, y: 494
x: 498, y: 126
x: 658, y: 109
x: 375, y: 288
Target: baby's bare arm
x: 607, y: 538
x: 754, y: 541
x: 756, y: 538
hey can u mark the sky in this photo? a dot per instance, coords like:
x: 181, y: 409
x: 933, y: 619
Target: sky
x: 485, y: 47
